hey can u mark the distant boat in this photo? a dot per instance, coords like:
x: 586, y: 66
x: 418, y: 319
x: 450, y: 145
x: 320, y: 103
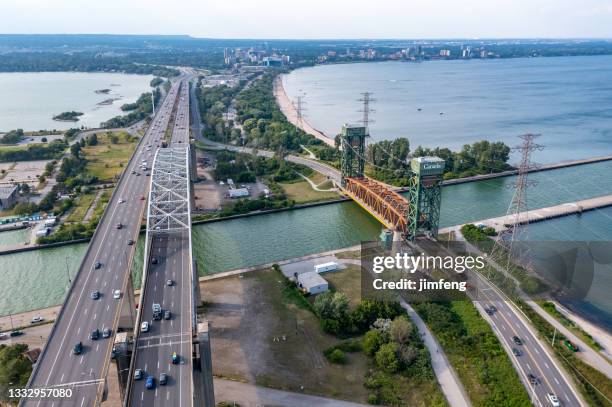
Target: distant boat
x: 419, y: 108
x: 441, y: 113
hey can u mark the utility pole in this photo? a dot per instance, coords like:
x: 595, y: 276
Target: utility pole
x: 517, y: 216
x: 68, y: 271
x: 366, y: 120
x: 153, y: 100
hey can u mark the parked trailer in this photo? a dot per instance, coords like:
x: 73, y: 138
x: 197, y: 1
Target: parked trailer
x: 325, y: 267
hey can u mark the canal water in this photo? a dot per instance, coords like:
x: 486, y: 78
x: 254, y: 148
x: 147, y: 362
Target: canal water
x: 232, y: 244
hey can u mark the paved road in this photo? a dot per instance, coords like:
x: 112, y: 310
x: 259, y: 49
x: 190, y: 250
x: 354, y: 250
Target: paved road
x: 534, y: 358
x: 154, y: 348
x: 58, y: 366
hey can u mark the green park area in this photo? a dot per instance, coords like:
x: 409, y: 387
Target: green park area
x: 107, y: 158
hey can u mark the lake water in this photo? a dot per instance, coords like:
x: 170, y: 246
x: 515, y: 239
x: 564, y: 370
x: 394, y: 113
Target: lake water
x: 30, y: 100
x: 566, y: 99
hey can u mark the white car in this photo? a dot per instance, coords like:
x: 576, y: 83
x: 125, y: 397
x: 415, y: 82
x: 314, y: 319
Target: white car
x: 144, y: 327
x: 121, y: 201
x: 117, y: 294
x: 554, y: 400
x: 37, y: 319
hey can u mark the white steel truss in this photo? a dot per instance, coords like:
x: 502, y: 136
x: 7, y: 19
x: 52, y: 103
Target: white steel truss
x: 169, y: 206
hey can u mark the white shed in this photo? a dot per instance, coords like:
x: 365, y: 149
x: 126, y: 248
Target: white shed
x: 312, y: 282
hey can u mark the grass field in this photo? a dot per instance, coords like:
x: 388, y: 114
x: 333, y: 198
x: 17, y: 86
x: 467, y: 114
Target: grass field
x: 13, y: 148
x: 302, y: 192
x: 107, y: 160
x: 81, y: 207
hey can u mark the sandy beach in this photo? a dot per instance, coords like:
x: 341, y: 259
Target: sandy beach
x: 288, y: 109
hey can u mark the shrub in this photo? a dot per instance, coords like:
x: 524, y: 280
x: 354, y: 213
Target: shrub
x: 386, y: 357
x: 336, y: 356
x: 372, y: 341
x: 401, y: 329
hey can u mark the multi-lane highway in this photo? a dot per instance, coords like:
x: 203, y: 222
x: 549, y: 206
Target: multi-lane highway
x: 536, y: 367
x: 168, y: 283
x: 153, y: 352
x: 58, y: 366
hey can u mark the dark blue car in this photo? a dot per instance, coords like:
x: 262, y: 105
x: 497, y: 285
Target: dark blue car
x: 150, y: 383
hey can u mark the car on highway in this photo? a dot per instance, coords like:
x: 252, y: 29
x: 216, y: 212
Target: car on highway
x: 94, y: 335
x: 142, y: 198
x: 16, y: 333
x: 130, y: 242
x: 3, y: 336
x: 516, y: 352
x: 121, y: 199
x: 144, y: 327
x: 106, y: 333
x: 154, y: 260
x: 119, y: 225
x: 133, y: 172
x: 97, y: 265
x: 174, y: 358
x: 169, y: 283
x: 552, y: 398
x: 150, y: 383
x: 533, y: 379
x: 117, y: 294
x: 95, y: 295
x: 167, y: 314
x: 517, y: 340
x: 138, y: 374
x: 78, y: 348
x: 37, y: 319
x: 163, y: 379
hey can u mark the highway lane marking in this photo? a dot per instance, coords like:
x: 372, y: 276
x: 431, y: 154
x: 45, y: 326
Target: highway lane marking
x: 95, y: 316
x: 546, y: 364
x: 82, y: 401
x: 107, y: 307
x: 536, y: 350
x: 525, y: 348
x: 528, y: 367
x: 62, y: 378
x: 557, y: 381
x: 78, y: 300
x: 81, y: 362
x: 97, y: 348
x: 142, y: 396
x: 79, y: 331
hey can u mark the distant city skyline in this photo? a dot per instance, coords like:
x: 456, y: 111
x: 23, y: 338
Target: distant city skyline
x: 314, y: 19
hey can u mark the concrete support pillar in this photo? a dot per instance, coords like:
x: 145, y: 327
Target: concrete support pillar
x: 127, y: 316
x: 122, y: 356
x: 204, y: 392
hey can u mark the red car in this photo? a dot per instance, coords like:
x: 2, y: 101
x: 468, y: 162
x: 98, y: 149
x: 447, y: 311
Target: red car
x: 142, y: 198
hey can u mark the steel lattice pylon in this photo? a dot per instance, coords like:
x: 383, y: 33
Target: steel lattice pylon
x: 169, y: 206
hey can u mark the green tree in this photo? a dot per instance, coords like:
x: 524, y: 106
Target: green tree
x: 15, y: 368
x: 372, y: 341
x: 386, y: 357
x: 401, y: 329
x: 92, y: 140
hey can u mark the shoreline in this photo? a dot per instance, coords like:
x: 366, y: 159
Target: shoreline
x: 288, y: 109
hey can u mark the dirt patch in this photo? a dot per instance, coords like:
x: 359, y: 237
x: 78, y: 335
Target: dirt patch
x: 261, y: 336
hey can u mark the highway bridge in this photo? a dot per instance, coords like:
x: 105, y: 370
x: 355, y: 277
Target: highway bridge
x: 104, y: 269
x: 163, y: 351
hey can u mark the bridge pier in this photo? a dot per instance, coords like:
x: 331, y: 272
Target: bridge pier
x: 122, y: 357
x: 204, y: 393
x: 127, y: 316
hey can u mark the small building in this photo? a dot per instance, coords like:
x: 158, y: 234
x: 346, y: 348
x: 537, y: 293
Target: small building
x: 312, y: 282
x: 238, y: 193
x: 8, y: 196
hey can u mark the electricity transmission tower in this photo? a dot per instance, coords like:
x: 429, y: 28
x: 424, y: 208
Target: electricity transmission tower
x: 517, y: 216
x: 366, y: 120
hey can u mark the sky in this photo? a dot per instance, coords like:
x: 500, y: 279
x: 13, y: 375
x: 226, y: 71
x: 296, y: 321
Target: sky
x: 313, y: 19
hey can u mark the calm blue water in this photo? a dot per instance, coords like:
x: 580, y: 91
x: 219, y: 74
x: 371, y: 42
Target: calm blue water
x: 566, y: 99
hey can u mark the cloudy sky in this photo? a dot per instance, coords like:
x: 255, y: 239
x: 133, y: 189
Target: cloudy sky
x: 313, y: 18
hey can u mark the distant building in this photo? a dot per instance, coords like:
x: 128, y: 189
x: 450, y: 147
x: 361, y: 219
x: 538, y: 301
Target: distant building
x: 273, y: 61
x: 445, y: 53
x: 8, y: 196
x: 312, y: 282
x: 32, y: 355
x: 238, y: 193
